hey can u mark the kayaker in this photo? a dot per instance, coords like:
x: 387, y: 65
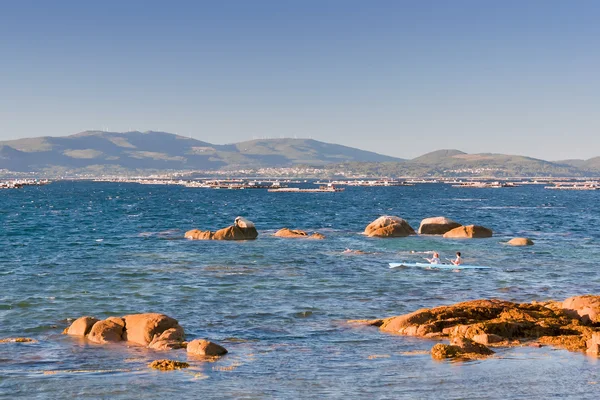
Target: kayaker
x: 435, y: 259
x: 458, y: 260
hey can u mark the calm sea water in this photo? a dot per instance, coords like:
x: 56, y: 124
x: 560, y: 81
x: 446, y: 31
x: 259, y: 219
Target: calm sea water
x: 279, y: 306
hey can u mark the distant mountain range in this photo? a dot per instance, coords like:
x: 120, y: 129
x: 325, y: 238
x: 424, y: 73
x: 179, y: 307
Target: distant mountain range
x: 113, y: 152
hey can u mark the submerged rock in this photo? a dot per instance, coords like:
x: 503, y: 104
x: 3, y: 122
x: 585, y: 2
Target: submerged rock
x: 469, y: 231
x: 389, y: 226
x: 460, y: 348
x: 242, y: 229
x: 520, y: 242
x: 297, y: 233
x: 168, y: 365
x: 437, y: 226
x: 201, y: 347
x: 18, y: 340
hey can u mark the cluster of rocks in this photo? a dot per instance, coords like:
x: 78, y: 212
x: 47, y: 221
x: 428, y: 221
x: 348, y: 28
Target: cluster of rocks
x: 474, y: 325
x: 152, y: 330
x: 393, y: 226
x: 384, y: 227
x: 243, y: 229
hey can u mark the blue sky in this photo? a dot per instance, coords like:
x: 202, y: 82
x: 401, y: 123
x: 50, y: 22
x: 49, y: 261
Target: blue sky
x: 398, y: 77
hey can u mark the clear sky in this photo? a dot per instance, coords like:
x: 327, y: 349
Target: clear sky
x: 397, y: 77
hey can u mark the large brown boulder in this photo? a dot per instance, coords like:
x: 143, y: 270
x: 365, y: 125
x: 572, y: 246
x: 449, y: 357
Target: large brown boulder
x: 297, y: 233
x: 437, y: 226
x: 81, y: 326
x: 520, y: 242
x: 142, y: 328
x: 242, y: 229
x: 200, y: 347
x: 389, y: 226
x: 108, y: 330
x: 469, y: 231
x: 586, y: 308
x: 235, y: 233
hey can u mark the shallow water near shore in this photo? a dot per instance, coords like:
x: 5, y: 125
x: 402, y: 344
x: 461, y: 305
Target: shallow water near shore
x: 280, y: 306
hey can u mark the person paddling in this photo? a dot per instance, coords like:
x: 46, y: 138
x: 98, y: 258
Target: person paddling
x: 435, y: 259
x: 458, y: 260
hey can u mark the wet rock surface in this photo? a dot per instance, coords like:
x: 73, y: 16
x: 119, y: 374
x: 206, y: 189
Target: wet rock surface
x: 168, y: 365
x: 473, y: 325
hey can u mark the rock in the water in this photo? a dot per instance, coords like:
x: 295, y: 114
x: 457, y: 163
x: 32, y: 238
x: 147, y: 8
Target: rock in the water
x: 297, y: 233
x: 489, y: 322
x: 242, y: 229
x: 168, y: 365
x: 469, y: 346
x: 469, y: 231
x: 172, y: 338
x: 437, y: 226
x: 586, y: 308
x: 196, y: 234
x: 201, y: 347
x: 593, y: 344
x: 235, y: 233
x: 143, y: 328
x: 443, y: 351
x: 389, y: 226
x: 520, y: 242
x: 487, y: 338
x: 108, y: 330
x: 18, y: 340
x: 460, y: 348
x: 81, y: 326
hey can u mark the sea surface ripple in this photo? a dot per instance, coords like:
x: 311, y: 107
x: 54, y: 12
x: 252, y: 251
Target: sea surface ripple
x: 85, y: 248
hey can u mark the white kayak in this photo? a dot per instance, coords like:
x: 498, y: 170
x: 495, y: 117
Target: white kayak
x: 436, y: 266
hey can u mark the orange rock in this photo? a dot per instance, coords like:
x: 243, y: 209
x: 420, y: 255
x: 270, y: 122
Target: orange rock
x: 593, y: 344
x: 235, y: 233
x: 81, y: 326
x: 196, y: 234
x: 586, y: 308
x: 389, y: 226
x: 108, y: 330
x: 290, y: 233
x: 437, y: 226
x: 201, y: 347
x: 172, y: 338
x: 469, y: 231
x: 520, y: 242
x: 297, y: 233
x: 142, y: 328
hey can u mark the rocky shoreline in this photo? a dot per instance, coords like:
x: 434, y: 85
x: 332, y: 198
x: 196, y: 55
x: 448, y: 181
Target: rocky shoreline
x: 473, y: 327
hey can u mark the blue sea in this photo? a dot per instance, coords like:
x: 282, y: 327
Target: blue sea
x: 280, y: 306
